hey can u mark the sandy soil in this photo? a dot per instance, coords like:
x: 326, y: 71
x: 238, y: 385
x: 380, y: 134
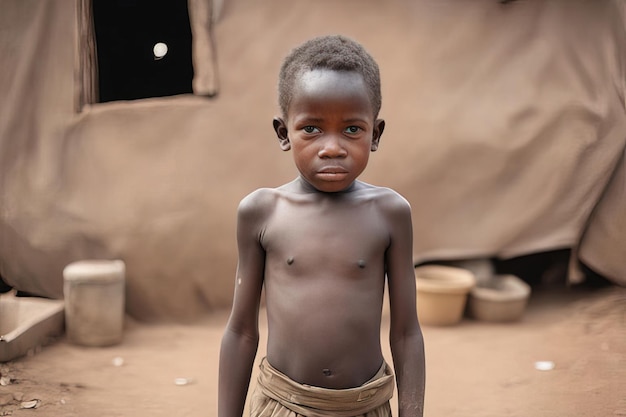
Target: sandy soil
x: 473, y: 368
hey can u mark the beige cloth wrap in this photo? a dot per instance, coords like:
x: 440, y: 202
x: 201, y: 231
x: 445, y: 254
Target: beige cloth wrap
x: 276, y: 395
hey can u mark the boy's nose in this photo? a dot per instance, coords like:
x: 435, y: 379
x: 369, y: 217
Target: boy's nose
x: 332, y: 148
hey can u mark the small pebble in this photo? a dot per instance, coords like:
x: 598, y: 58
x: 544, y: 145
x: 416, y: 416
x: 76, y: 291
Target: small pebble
x: 544, y: 365
x: 183, y: 381
x: 30, y: 404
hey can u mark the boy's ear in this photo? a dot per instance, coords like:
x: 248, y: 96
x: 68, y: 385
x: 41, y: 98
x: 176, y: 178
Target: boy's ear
x: 379, y: 126
x: 280, y: 127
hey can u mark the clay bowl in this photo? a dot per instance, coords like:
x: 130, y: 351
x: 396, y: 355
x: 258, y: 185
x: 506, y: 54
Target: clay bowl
x: 442, y: 293
x: 501, y: 298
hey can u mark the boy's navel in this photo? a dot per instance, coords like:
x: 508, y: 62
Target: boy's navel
x: 290, y: 260
x: 361, y: 263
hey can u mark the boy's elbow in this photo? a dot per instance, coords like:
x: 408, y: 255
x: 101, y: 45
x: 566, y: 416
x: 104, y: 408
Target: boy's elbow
x: 410, y: 335
x: 236, y: 337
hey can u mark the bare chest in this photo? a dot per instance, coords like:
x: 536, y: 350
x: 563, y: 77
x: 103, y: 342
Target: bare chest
x: 333, y: 237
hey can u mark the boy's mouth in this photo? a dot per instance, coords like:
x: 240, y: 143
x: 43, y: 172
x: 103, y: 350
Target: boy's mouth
x: 332, y: 173
x: 333, y: 170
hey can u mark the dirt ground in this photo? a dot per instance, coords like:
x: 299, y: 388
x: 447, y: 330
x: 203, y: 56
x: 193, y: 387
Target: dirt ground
x: 473, y: 368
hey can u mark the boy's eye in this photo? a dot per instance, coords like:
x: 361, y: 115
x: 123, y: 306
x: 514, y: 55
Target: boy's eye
x: 353, y: 129
x: 310, y: 129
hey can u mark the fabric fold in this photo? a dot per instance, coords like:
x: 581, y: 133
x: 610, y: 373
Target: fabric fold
x: 277, y: 395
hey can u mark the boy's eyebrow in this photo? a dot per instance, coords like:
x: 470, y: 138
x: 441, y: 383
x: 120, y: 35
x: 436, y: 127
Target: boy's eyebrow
x: 355, y: 119
x: 309, y: 119
x: 319, y: 119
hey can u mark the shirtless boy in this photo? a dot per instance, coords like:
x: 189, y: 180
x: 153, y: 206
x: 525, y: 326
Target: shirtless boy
x: 321, y: 246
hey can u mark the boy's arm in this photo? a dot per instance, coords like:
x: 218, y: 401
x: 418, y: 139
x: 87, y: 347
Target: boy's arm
x: 241, y: 336
x: 405, y: 336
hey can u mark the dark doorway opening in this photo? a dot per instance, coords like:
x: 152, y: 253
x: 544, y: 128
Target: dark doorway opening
x: 126, y: 34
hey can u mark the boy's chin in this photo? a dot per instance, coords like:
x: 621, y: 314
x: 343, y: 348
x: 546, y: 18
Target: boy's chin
x: 326, y: 186
x: 332, y: 186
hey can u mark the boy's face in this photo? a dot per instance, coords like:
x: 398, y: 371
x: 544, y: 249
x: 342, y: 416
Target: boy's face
x: 330, y: 128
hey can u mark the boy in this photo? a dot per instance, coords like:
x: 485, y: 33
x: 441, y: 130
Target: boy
x: 321, y: 247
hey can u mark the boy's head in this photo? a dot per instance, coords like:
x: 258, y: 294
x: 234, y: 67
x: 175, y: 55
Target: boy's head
x: 329, y: 93
x: 334, y: 52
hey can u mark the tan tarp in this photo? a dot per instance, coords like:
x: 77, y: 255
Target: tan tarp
x: 505, y: 127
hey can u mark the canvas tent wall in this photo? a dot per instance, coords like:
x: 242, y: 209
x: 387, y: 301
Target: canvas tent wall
x: 505, y: 130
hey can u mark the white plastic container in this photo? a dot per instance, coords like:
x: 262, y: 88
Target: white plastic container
x: 94, y: 293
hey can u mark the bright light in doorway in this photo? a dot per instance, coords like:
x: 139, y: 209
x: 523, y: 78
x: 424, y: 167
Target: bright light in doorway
x: 159, y: 50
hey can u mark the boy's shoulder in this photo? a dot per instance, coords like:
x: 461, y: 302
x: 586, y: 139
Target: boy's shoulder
x: 386, y: 196
x: 259, y: 199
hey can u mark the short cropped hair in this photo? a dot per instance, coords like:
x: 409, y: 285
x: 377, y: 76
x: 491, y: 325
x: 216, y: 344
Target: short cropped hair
x: 333, y: 52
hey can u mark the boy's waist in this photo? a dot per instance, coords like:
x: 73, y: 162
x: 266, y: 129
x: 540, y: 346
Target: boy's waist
x: 306, y: 399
